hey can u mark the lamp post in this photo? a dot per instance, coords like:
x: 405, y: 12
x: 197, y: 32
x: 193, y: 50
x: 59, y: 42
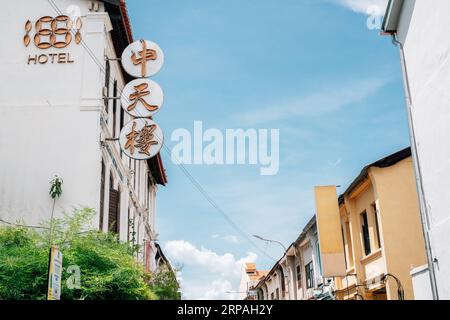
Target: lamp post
x: 268, y: 240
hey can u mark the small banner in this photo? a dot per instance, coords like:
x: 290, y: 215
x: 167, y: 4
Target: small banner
x: 54, y: 274
x: 330, y: 232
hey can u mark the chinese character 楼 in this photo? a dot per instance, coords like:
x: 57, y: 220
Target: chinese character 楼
x: 131, y: 137
x: 145, y: 140
x: 142, y: 140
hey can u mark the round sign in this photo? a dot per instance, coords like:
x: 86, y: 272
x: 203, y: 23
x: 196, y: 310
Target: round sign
x: 142, y: 98
x: 141, y: 139
x: 142, y: 59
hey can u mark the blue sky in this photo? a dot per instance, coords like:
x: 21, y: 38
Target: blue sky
x: 310, y: 68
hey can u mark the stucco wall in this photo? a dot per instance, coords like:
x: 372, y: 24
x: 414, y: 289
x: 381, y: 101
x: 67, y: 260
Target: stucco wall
x: 423, y: 29
x: 50, y: 116
x: 404, y: 246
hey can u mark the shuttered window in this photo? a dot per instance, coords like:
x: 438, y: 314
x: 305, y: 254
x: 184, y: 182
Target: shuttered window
x: 114, y: 109
x: 107, y: 79
x: 309, y: 271
x: 365, y: 233
x: 102, y: 196
x: 114, y: 210
x: 299, y: 276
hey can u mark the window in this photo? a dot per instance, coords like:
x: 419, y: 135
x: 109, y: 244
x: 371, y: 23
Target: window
x: 365, y: 233
x: 277, y: 295
x: 114, y: 115
x: 319, y: 258
x: 129, y: 223
x: 114, y: 208
x: 309, y: 275
x: 299, y: 276
x: 377, y: 228
x: 107, y: 79
x: 348, y: 245
x: 272, y: 296
x: 102, y: 196
x: 122, y: 118
x: 345, y: 249
x: 283, y: 284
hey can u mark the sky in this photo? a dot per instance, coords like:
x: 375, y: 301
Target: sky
x: 312, y: 69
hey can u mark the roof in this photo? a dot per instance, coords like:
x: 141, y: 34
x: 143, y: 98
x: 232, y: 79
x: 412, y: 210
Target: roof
x: 250, y: 267
x: 122, y: 36
x: 392, y: 16
x: 309, y: 226
x: 382, y: 163
x: 258, y: 275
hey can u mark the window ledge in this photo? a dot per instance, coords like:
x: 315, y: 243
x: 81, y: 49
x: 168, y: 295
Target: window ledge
x: 373, y: 256
x: 350, y: 270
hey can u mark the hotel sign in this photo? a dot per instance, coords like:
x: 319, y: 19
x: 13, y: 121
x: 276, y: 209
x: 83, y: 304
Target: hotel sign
x: 142, y: 138
x: 52, y: 33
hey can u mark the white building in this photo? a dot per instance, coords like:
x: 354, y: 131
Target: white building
x: 57, y: 121
x: 420, y: 28
x: 249, y: 279
x: 298, y: 274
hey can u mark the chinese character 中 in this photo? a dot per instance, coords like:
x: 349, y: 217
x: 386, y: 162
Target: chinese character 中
x: 138, y: 96
x: 143, y: 56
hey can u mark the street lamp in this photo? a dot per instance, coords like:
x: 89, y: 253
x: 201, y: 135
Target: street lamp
x: 268, y: 240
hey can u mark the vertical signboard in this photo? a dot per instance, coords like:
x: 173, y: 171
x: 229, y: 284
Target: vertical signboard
x: 142, y: 138
x: 329, y: 230
x: 54, y: 274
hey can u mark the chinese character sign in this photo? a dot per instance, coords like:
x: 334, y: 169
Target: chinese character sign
x: 142, y: 98
x: 141, y: 139
x: 142, y: 59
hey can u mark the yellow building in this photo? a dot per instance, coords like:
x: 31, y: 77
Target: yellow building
x: 381, y: 231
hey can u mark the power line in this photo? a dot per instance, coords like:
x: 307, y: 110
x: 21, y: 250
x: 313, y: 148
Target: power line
x: 186, y: 172
x: 23, y: 225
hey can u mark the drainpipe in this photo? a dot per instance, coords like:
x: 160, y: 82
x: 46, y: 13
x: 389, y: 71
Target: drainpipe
x: 418, y: 172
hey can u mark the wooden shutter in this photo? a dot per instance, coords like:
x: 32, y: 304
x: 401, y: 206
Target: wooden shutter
x: 114, y: 210
x: 107, y: 79
x: 114, y: 109
x: 102, y: 196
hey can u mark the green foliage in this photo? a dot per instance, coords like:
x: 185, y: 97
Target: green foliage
x: 164, y: 283
x: 109, y: 270
x: 56, y: 187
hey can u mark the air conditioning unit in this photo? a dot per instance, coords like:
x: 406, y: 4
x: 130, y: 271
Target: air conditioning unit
x: 319, y: 281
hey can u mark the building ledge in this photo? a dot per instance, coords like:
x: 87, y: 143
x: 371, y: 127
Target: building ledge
x: 371, y: 257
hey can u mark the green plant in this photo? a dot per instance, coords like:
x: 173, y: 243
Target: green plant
x: 109, y: 270
x: 165, y: 285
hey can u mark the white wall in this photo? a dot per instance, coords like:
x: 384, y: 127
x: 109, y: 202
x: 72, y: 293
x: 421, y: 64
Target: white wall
x: 50, y: 116
x: 424, y: 29
x: 51, y: 124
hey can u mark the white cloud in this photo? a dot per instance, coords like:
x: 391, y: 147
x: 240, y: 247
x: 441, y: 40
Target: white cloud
x: 365, y: 6
x: 313, y: 104
x: 221, y: 273
x: 228, y: 238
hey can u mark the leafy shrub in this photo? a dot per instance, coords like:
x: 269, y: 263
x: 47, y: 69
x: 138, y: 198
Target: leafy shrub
x: 108, y: 267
